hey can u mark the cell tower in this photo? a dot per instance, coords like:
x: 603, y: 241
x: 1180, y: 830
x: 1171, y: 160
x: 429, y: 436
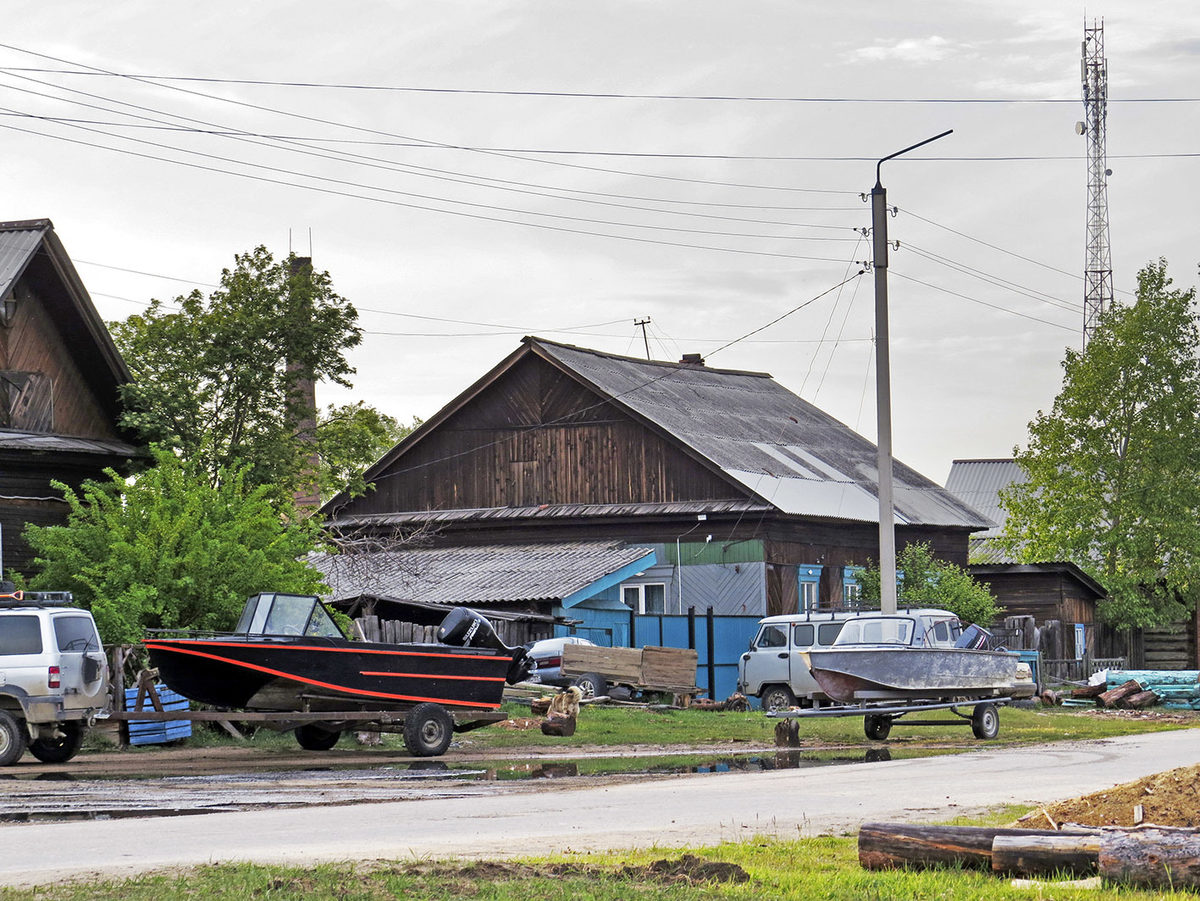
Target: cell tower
x: 1097, y: 277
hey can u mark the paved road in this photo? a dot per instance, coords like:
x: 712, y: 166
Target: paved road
x: 687, y: 810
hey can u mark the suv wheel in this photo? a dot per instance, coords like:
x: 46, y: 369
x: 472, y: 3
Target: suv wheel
x: 59, y: 750
x: 12, y: 739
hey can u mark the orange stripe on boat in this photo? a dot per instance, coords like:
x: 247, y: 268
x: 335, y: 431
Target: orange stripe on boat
x: 306, y: 681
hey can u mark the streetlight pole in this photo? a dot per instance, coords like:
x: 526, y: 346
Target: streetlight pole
x: 883, y: 386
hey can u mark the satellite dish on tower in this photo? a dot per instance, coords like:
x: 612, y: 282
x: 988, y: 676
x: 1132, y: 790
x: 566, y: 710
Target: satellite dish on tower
x: 1080, y: 128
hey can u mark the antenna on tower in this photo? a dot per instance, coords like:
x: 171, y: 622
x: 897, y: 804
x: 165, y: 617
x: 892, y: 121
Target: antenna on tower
x: 1097, y: 276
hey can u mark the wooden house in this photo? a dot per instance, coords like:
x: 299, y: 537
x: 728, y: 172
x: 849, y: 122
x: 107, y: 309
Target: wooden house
x: 1056, y: 592
x: 60, y: 376
x: 753, y: 501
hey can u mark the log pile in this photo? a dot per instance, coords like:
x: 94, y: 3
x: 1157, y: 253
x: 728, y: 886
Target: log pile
x: 1155, y: 856
x: 1136, y: 689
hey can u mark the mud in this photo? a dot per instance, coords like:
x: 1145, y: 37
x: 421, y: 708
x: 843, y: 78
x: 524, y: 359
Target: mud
x: 1167, y: 799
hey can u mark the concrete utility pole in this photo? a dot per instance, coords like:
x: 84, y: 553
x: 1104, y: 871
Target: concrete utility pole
x: 1097, y: 275
x: 883, y: 386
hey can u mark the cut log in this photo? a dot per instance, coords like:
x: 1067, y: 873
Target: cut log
x: 1089, y: 691
x: 1113, y: 696
x: 886, y: 846
x: 1164, y: 858
x: 1050, y: 852
x: 562, y: 726
x: 1140, y: 700
x: 540, y: 705
x: 787, y: 733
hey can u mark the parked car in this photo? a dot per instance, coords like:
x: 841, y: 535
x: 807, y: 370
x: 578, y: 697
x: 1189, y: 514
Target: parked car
x: 773, y: 670
x: 547, y: 658
x: 53, y: 675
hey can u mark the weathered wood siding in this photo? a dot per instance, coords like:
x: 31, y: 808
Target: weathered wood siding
x: 1045, y: 596
x: 538, y: 437
x: 62, y: 401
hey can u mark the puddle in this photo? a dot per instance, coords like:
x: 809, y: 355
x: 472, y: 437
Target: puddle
x: 63, y: 797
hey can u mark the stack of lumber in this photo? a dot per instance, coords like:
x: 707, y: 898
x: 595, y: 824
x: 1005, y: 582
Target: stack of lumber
x: 1145, y: 855
x: 1145, y: 688
x: 149, y: 732
x: 648, y: 669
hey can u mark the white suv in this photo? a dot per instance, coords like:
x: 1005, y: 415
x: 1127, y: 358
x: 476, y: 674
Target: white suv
x: 53, y: 675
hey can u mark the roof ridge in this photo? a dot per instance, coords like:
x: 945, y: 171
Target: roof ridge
x: 679, y: 365
x: 26, y: 225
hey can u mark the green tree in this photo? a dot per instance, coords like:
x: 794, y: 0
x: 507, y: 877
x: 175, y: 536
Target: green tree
x: 216, y: 379
x: 929, y: 582
x: 1114, y: 467
x: 170, y: 549
x: 351, y: 437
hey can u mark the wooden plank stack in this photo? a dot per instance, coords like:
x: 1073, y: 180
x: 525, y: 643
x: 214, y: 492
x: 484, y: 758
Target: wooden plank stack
x: 148, y: 732
x: 1155, y: 856
x: 648, y: 669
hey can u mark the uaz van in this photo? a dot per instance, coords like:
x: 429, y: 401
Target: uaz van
x: 773, y: 669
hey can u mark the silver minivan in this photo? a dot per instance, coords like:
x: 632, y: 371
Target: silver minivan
x: 773, y: 669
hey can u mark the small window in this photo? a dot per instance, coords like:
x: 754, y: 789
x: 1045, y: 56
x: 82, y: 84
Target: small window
x: 802, y: 635
x: 771, y: 637
x: 75, y: 633
x: 808, y: 597
x: 827, y: 633
x: 941, y: 631
x: 21, y: 635
x: 647, y: 599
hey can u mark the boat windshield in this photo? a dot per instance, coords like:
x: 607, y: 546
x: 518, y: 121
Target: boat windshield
x: 877, y: 630
x: 287, y: 614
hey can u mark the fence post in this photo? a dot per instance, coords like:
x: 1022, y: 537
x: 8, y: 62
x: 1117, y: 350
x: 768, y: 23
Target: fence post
x: 711, y: 646
x: 691, y: 628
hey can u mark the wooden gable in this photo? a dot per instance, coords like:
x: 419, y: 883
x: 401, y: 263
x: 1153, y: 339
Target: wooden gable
x: 534, y: 435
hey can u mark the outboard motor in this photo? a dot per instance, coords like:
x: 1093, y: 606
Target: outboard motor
x: 464, y: 628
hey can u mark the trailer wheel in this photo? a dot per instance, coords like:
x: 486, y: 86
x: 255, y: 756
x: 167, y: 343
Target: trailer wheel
x: 592, y: 685
x: 428, y: 730
x: 12, y: 739
x: 59, y: 750
x: 985, y: 721
x: 777, y: 696
x: 312, y: 737
x: 877, y: 726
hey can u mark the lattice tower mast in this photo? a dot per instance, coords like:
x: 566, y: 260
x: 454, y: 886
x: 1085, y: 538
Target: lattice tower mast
x: 1097, y: 278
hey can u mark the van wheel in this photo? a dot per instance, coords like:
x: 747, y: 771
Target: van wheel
x: 776, y: 696
x: 12, y: 739
x: 59, y: 750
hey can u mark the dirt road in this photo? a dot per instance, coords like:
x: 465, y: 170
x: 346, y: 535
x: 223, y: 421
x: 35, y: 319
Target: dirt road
x: 672, y: 811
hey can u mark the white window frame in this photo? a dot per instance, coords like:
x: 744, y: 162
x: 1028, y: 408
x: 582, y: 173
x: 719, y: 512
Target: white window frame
x: 639, y: 589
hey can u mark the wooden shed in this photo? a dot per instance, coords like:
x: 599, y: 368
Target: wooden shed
x: 60, y: 376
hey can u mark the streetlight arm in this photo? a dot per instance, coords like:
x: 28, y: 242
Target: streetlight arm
x: 948, y: 131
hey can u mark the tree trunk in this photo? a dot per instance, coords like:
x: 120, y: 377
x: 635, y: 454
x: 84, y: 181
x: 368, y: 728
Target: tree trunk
x: 1166, y: 858
x: 1110, y: 698
x: 1140, y: 700
x: 1050, y: 852
x: 883, y: 846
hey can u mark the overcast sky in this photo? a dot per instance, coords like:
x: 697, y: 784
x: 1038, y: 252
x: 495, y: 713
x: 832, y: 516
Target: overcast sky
x: 472, y: 172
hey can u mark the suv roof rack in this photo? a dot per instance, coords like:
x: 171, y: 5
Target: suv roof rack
x: 10, y: 597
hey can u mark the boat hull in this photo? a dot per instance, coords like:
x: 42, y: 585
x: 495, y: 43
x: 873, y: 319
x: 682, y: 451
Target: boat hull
x: 284, y: 674
x: 905, y: 673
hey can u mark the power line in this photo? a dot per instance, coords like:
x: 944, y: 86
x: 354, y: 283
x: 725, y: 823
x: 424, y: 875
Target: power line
x: 976, y: 300
x: 588, y: 95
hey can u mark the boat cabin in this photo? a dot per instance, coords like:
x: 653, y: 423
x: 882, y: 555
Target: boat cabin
x: 287, y: 614
x: 915, y: 628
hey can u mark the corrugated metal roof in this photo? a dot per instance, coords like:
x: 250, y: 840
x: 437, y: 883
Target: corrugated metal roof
x: 794, y: 456
x: 978, y: 483
x: 479, y: 575
x: 18, y: 243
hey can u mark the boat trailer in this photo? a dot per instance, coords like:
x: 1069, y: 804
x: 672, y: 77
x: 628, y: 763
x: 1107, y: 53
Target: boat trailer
x: 878, y: 718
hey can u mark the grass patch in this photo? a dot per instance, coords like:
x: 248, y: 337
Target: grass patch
x: 825, y: 868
